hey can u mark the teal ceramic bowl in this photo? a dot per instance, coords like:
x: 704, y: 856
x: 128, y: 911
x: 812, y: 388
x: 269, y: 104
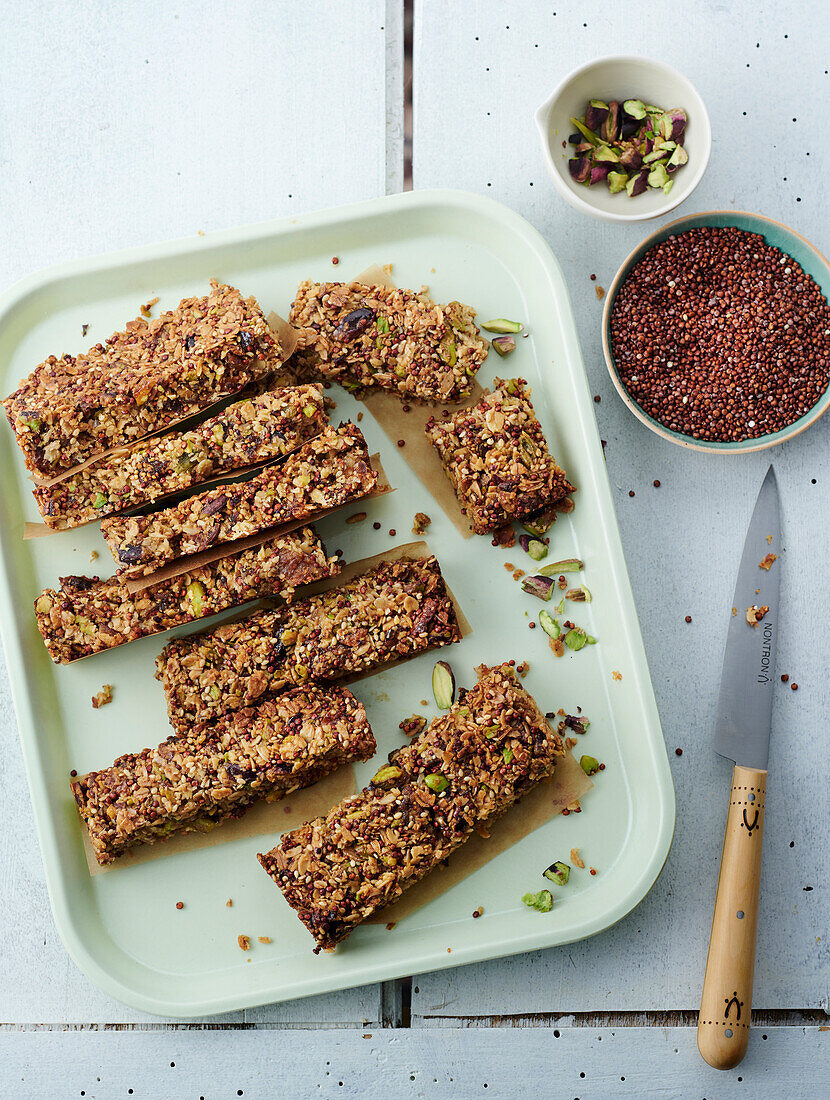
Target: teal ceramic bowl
x: 776, y: 234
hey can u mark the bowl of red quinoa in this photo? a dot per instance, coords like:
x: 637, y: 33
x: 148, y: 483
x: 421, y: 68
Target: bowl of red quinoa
x: 716, y: 332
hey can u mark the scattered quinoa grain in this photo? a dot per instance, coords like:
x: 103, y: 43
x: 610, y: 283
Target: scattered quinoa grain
x: 335, y: 260
x: 597, y: 398
x: 477, y: 912
x: 376, y: 526
x: 401, y: 442
x: 688, y: 618
x: 784, y: 677
x: 73, y: 773
x: 656, y: 483
x: 678, y: 752
x: 531, y: 625
x: 392, y: 532
x: 794, y: 687
x: 631, y: 492
x: 593, y: 870
x: 180, y: 905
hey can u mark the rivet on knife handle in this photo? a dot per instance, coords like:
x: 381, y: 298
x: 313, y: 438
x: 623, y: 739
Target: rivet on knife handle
x: 726, y: 1004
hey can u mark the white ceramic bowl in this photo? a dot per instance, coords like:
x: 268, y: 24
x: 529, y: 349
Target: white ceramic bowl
x: 623, y: 78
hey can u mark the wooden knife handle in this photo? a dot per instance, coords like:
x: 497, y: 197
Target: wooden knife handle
x: 723, y: 1022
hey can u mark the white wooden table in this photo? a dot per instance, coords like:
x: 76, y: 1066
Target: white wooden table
x: 123, y: 124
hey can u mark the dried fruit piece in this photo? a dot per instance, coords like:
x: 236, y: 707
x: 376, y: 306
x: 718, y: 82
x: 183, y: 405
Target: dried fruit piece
x: 501, y: 324
x: 503, y: 345
x: 558, y: 872
x: 353, y: 324
x: 543, y: 587
x: 443, y: 685
x: 543, y: 901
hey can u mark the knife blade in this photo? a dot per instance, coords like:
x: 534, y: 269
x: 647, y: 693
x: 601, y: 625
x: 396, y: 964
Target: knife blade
x: 744, y: 715
x: 742, y: 734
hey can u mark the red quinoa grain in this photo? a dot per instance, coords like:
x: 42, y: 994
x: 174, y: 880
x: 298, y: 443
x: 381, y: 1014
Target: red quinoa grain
x: 720, y: 336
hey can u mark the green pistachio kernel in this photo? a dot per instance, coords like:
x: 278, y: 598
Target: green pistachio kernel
x: 437, y: 783
x: 589, y: 764
x: 382, y: 325
x: 558, y: 872
x: 492, y: 731
x: 543, y: 901
x: 196, y: 595
x: 448, y: 350
x: 43, y: 605
x: 99, y: 501
x: 34, y: 424
x: 575, y: 639
x: 389, y: 771
x: 214, y: 691
x: 507, y: 755
x: 501, y: 324
x: 537, y: 549
x: 218, y: 433
x: 569, y: 565
x: 549, y: 624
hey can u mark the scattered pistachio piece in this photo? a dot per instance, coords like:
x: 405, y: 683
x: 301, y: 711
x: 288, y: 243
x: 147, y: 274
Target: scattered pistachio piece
x: 579, y: 595
x: 503, y: 345
x: 542, y: 587
x: 576, y: 638
x: 569, y: 565
x: 443, y: 685
x: 558, y: 872
x: 99, y: 501
x: 589, y: 764
x: 549, y: 624
x: 507, y: 755
x: 501, y: 324
x: 196, y: 595
x: 437, y: 783
x: 543, y: 901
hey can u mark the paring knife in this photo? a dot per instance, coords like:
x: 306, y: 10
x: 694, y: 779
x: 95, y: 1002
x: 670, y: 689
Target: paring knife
x: 742, y: 734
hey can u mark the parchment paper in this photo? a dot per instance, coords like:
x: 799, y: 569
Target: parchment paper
x: 544, y: 802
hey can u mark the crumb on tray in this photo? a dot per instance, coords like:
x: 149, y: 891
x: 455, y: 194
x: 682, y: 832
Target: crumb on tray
x: 103, y: 697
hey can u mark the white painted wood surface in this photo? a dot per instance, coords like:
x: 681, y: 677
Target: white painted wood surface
x: 683, y: 540
x: 586, y: 1063
x: 125, y: 124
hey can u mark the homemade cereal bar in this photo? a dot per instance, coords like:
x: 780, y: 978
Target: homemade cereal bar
x: 196, y: 782
x: 153, y: 374
x: 88, y: 615
x: 328, y: 471
x: 397, y: 610
x: 258, y: 429
x: 468, y: 767
x: 373, y: 336
x: 497, y: 459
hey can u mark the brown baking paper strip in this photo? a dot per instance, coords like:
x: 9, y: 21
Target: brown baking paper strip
x: 289, y: 338
x: 196, y: 561
x: 278, y: 817
x: 544, y: 802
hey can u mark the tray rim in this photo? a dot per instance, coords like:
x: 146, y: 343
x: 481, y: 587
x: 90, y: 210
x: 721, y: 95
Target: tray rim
x: 46, y: 821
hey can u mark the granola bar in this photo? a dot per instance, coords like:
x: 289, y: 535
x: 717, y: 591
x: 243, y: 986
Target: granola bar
x: 466, y: 769
x: 373, y: 336
x: 146, y: 378
x: 259, y: 429
x: 88, y: 615
x: 497, y: 459
x: 328, y: 471
x: 397, y: 610
x: 196, y: 782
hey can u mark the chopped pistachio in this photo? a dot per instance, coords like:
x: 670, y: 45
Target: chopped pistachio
x: 389, y: 771
x: 576, y: 638
x: 543, y: 901
x: 549, y: 624
x: 503, y: 345
x: 443, y: 685
x: 437, y: 783
x: 589, y: 764
x: 539, y: 586
x: 589, y: 135
x: 616, y: 181
x: 34, y: 424
x: 560, y: 607
x: 99, y: 501
x: 309, y: 410
x: 635, y: 108
x: 558, y: 872
x: 507, y: 755
x: 196, y: 595
x: 383, y: 325
x: 579, y: 595
x: 569, y: 565
x: 448, y: 350
x: 501, y: 324
x: 658, y: 176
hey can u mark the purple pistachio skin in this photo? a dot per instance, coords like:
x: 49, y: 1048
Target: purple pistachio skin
x: 611, y: 126
x: 641, y: 183
x: 580, y: 169
x: 595, y: 116
x: 599, y: 172
x: 632, y: 159
x: 678, y: 125
x: 539, y: 586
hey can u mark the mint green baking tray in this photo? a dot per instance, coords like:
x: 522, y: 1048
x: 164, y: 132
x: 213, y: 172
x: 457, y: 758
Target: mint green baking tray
x: 122, y: 927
